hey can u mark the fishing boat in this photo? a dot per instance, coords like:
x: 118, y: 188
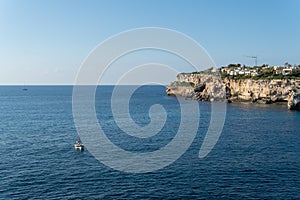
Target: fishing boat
x: 78, y: 145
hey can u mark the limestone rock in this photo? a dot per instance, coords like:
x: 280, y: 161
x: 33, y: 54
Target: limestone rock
x: 294, y: 100
x: 204, y: 87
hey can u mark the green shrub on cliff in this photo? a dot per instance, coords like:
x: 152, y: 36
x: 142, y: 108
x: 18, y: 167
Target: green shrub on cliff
x: 183, y: 84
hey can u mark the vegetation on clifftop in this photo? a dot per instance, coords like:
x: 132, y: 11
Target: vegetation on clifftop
x: 263, y: 72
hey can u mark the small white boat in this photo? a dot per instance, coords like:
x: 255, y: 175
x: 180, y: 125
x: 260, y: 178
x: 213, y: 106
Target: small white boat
x: 78, y: 145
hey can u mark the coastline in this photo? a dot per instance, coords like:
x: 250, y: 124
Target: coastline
x: 211, y: 87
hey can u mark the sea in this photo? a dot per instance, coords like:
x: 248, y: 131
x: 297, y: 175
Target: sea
x: 257, y: 155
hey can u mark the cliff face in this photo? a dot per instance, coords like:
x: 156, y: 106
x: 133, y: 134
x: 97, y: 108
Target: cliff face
x: 211, y: 88
x: 261, y: 91
x: 207, y: 87
x: 294, y: 100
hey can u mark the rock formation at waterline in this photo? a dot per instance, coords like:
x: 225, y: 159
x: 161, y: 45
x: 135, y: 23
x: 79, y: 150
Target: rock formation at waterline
x: 204, y: 87
x: 294, y: 100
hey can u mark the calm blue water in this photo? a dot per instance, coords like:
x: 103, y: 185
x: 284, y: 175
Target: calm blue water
x: 257, y: 155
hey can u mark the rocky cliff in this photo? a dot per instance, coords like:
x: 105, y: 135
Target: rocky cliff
x: 294, y: 100
x: 213, y: 88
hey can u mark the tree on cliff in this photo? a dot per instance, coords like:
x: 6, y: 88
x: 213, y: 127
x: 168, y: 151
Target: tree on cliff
x: 234, y: 65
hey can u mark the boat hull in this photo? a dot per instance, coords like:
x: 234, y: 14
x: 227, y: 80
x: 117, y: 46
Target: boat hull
x: 78, y: 147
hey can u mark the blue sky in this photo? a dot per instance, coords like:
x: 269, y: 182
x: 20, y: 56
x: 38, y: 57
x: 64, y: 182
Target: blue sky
x: 44, y: 42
